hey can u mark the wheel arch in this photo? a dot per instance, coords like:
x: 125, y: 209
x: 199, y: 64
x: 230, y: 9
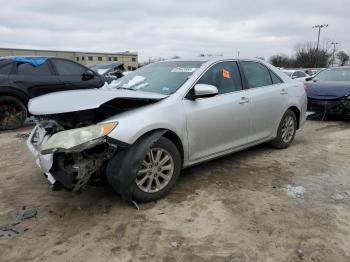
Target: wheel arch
x: 172, y: 136
x: 296, y: 111
x: 8, y: 91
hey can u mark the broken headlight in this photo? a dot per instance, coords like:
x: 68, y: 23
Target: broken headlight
x: 77, y: 139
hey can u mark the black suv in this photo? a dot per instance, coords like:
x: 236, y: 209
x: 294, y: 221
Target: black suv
x: 22, y: 78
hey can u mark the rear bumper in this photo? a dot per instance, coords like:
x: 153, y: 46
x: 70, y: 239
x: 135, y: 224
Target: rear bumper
x: 334, y: 107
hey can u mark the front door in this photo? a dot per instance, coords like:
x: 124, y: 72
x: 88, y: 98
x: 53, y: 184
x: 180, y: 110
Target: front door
x: 220, y: 123
x: 71, y: 74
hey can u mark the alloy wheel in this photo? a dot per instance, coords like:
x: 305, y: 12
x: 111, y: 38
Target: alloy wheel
x: 156, y: 171
x: 288, y: 129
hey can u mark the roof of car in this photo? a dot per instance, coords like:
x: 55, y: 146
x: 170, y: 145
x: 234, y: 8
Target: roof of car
x: 34, y: 61
x: 214, y: 58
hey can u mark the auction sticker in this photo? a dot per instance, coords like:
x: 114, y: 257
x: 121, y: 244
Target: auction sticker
x: 183, y: 70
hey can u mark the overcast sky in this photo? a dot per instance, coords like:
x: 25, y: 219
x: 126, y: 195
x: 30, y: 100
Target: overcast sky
x: 162, y: 28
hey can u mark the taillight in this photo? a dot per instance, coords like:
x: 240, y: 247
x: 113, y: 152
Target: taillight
x: 305, y: 87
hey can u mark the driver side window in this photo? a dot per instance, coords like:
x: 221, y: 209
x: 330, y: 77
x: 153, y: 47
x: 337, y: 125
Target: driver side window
x: 68, y: 68
x: 225, y: 76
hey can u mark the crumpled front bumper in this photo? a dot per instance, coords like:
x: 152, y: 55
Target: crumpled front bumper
x: 333, y: 107
x: 37, y: 137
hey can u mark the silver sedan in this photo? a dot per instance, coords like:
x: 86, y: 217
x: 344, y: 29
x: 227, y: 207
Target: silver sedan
x: 138, y: 132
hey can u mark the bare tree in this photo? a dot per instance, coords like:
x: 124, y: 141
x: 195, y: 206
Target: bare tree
x: 343, y: 58
x: 307, y: 55
x: 282, y: 61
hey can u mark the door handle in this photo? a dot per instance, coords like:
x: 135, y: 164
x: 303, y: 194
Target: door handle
x: 244, y: 100
x: 284, y: 92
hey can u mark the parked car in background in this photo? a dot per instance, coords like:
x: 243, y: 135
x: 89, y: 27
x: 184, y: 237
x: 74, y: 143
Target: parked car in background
x: 142, y: 130
x: 23, y: 78
x: 328, y: 91
x: 296, y: 74
x: 113, y: 70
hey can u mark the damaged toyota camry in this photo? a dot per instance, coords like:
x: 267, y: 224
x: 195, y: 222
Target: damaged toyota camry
x: 138, y: 132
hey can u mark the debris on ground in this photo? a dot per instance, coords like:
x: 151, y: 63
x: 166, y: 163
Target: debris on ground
x: 341, y: 196
x: 22, y: 136
x: 174, y: 244
x: 295, y: 192
x: 300, y: 253
x: 11, y: 228
x: 135, y: 205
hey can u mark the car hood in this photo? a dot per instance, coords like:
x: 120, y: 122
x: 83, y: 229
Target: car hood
x: 327, y: 90
x: 79, y: 100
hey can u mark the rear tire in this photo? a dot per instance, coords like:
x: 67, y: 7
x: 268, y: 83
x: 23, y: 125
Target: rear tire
x: 13, y: 113
x: 286, y: 131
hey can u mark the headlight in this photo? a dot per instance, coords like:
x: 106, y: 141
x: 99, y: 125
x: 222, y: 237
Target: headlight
x: 77, y: 139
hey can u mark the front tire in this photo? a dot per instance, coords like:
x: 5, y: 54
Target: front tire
x: 158, y: 171
x: 13, y: 113
x: 286, y: 130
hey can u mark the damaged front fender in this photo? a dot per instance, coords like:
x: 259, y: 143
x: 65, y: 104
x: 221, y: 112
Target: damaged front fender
x: 122, y: 168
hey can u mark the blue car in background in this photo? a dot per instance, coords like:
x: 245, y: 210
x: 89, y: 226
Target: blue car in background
x: 328, y: 92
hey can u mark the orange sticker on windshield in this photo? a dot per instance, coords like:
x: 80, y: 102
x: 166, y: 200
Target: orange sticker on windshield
x: 226, y: 73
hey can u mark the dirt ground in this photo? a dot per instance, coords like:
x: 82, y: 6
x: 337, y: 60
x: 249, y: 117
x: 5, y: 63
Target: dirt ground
x: 257, y: 205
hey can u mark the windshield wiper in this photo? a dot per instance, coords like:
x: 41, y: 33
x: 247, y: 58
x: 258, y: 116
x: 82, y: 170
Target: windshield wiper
x: 126, y: 88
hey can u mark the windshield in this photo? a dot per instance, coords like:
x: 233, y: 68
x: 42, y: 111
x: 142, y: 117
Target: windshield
x: 335, y: 74
x: 101, y: 66
x: 162, y: 78
x: 288, y: 73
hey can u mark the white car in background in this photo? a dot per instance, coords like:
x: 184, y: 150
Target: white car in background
x: 296, y: 74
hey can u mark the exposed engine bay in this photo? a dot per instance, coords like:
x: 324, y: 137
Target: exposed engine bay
x: 72, y: 169
x: 92, y: 116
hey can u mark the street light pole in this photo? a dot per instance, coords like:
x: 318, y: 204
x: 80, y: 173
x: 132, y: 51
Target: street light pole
x: 334, y: 46
x: 319, y: 27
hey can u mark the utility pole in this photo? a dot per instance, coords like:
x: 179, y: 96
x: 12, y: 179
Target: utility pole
x: 318, y: 39
x: 237, y: 53
x: 334, y: 47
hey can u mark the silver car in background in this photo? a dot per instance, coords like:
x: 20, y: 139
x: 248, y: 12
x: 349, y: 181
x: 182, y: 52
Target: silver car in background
x: 140, y: 131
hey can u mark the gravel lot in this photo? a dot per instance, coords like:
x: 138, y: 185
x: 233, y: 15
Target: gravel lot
x: 258, y: 205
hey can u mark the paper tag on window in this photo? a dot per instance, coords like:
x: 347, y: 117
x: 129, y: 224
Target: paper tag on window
x: 226, y: 73
x: 183, y: 70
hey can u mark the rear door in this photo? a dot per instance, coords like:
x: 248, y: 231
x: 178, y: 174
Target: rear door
x: 34, y: 80
x: 268, y: 95
x: 71, y: 75
x: 220, y: 123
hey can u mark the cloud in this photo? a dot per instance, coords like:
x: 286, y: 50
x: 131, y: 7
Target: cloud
x: 162, y: 28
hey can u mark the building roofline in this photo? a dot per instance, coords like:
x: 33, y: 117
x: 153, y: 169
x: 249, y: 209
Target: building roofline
x: 69, y: 51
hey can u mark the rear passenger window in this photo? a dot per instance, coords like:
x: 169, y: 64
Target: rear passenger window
x: 225, y: 76
x: 68, y: 68
x: 275, y: 78
x: 28, y: 69
x: 256, y: 74
x: 6, y: 69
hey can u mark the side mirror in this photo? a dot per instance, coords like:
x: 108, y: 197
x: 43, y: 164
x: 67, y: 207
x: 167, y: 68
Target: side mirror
x: 309, y: 78
x: 88, y: 75
x: 204, y: 90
